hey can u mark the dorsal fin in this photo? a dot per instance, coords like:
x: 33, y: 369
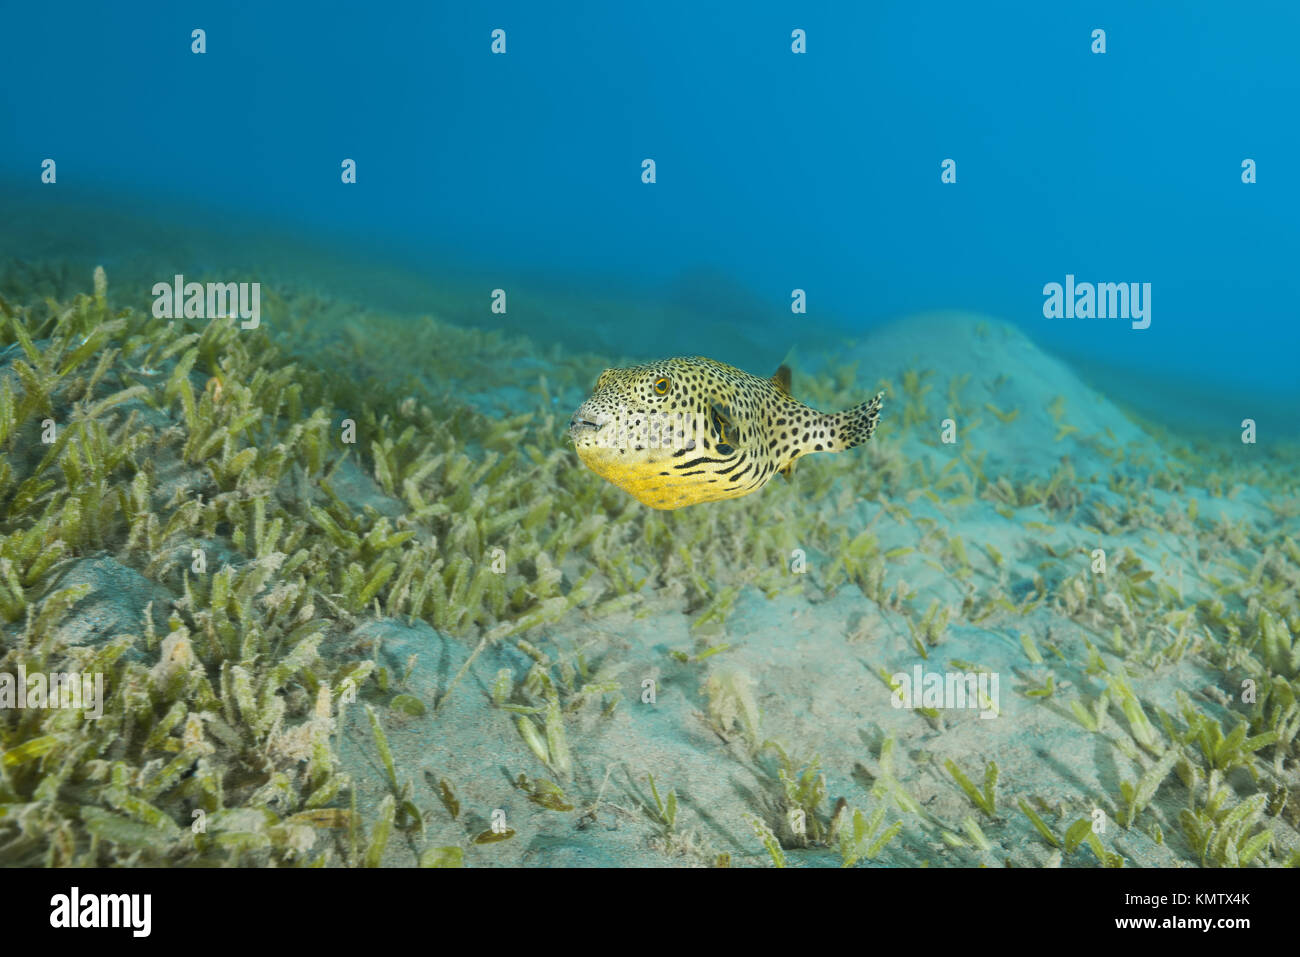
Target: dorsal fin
x: 781, y: 379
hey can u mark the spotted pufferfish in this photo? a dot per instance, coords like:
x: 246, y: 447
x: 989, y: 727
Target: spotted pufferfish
x: 687, y: 430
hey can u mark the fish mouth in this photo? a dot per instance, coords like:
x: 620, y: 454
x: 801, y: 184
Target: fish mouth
x: 579, y: 427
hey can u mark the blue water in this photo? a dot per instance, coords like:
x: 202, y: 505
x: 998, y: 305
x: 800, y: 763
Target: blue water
x: 775, y: 171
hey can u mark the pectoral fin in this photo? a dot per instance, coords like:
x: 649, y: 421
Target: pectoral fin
x: 787, y: 473
x: 724, y: 430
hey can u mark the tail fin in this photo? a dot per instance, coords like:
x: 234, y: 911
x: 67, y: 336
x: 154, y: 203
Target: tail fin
x: 854, y: 426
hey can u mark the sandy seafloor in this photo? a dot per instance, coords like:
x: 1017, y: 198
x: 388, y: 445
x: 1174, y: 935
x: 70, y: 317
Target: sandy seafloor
x: 813, y: 654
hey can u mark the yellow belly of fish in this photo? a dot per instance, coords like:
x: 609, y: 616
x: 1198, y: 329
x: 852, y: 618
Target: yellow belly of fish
x: 644, y: 483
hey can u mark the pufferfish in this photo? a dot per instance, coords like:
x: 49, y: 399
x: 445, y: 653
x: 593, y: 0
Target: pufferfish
x: 689, y: 430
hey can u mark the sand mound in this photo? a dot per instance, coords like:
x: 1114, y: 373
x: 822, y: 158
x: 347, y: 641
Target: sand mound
x: 1005, y: 396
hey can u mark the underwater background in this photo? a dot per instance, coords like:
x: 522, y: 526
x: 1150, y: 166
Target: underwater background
x: 355, y: 600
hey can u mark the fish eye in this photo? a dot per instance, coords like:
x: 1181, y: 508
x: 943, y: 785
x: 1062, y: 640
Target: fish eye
x: 662, y: 385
